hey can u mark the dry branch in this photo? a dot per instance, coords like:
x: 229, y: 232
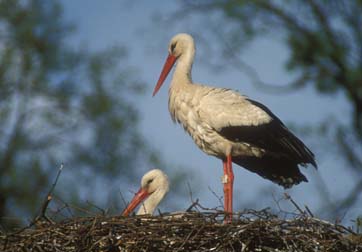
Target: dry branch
x: 251, y: 231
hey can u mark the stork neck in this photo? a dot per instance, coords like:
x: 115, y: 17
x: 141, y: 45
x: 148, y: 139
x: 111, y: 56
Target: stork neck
x: 150, y: 204
x: 182, y: 74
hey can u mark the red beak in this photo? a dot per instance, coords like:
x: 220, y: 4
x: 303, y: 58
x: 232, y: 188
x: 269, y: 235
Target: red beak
x: 137, y: 199
x: 170, y: 61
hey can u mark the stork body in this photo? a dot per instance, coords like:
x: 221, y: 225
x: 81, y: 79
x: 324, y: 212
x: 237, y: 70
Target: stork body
x: 154, y: 186
x: 231, y: 126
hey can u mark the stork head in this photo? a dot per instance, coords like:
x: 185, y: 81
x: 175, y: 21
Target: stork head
x: 153, y: 181
x: 179, y: 45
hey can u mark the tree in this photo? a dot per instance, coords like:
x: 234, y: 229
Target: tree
x: 60, y: 104
x: 325, y: 43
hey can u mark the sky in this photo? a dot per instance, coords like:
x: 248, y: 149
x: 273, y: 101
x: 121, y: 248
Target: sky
x: 134, y: 25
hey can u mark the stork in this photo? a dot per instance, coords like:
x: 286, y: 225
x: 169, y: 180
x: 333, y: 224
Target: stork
x: 154, y: 187
x: 231, y: 126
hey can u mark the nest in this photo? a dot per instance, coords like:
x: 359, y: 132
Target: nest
x: 195, y: 231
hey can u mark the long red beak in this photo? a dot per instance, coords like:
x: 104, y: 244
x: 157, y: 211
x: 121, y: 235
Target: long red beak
x: 137, y: 199
x: 170, y: 61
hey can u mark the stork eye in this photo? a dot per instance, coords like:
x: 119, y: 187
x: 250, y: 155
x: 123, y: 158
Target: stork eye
x: 173, y: 47
x: 149, y: 181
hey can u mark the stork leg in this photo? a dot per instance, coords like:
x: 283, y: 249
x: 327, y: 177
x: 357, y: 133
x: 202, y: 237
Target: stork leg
x: 228, y: 181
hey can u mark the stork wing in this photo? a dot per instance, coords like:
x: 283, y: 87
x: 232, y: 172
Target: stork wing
x: 240, y: 119
x: 222, y: 108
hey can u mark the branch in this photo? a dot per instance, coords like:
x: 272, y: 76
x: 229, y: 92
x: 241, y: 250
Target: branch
x: 354, y: 21
x: 192, y: 205
x: 190, y: 191
x: 8, y: 155
x: 336, y: 53
x: 48, y: 198
x: 44, y: 206
x: 97, y: 207
x: 123, y: 199
x: 219, y: 198
x: 245, y: 68
x: 287, y: 18
x: 288, y: 197
x: 349, y: 151
x: 72, y: 207
x: 351, y: 199
x: 299, y: 82
x: 342, y: 76
x: 237, y: 62
x: 322, y: 20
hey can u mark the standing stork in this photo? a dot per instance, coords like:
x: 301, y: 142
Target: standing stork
x: 231, y: 126
x: 154, y: 186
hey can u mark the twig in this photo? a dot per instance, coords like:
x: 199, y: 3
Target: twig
x: 43, y: 210
x: 192, y: 205
x: 65, y: 206
x: 208, y: 209
x: 48, y: 198
x: 277, y: 202
x: 69, y: 207
x: 190, y: 191
x: 346, y: 229
x: 123, y: 199
x: 97, y: 207
x: 44, y: 207
x: 218, y: 197
x: 309, y: 211
x: 287, y: 196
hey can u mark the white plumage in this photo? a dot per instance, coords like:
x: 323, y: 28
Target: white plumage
x: 230, y: 126
x: 154, y: 187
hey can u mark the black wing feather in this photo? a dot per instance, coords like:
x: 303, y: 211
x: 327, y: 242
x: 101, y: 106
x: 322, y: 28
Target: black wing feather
x: 282, y: 171
x: 274, y: 137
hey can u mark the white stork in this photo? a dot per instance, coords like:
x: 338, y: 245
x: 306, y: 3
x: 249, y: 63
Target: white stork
x: 231, y: 126
x: 154, y: 186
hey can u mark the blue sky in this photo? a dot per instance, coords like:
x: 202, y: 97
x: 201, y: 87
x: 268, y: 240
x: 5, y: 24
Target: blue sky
x: 132, y: 24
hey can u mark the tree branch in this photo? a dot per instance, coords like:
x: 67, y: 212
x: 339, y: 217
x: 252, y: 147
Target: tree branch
x: 351, y: 199
x: 245, y: 68
x: 341, y: 76
x: 297, y: 83
x: 322, y: 20
x: 288, y: 19
x: 349, y: 151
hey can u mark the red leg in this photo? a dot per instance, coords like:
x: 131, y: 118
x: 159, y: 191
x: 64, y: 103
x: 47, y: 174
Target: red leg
x: 228, y: 186
x: 225, y: 181
x: 230, y: 183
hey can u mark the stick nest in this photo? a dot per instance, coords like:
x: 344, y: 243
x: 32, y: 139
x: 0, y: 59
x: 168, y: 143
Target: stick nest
x: 250, y: 231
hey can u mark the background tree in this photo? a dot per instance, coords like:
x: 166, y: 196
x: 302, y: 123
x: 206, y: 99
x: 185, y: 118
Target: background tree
x: 60, y: 104
x: 325, y: 43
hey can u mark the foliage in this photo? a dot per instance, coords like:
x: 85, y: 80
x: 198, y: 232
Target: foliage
x: 325, y: 43
x: 60, y: 104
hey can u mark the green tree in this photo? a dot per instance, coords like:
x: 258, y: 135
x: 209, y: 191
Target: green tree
x: 325, y: 43
x: 60, y: 104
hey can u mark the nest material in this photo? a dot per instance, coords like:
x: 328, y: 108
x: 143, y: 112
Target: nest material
x: 251, y: 231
